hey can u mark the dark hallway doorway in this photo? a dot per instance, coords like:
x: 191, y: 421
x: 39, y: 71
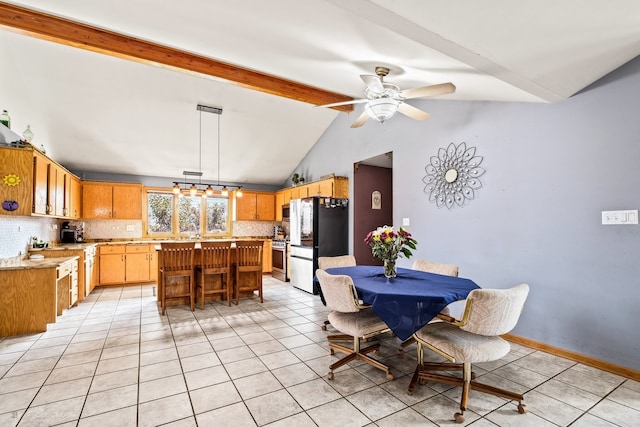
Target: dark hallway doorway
x: 372, y: 202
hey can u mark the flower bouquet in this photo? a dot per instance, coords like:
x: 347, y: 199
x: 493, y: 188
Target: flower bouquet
x: 387, y: 244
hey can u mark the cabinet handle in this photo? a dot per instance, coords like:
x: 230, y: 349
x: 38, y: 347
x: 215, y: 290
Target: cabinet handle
x: 122, y: 256
x: 146, y: 257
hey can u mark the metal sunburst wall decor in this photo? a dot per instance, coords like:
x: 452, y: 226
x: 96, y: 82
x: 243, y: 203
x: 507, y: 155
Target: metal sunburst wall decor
x: 453, y: 175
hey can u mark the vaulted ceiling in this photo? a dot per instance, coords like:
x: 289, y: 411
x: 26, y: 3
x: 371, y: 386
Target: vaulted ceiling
x: 97, y: 108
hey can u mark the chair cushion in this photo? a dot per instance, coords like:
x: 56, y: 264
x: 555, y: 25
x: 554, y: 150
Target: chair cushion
x: 358, y: 324
x: 463, y: 346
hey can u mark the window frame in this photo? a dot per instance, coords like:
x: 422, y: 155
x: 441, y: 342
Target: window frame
x: 175, y: 227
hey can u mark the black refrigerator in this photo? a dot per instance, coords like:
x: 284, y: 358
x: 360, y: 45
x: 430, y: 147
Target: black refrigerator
x: 319, y: 226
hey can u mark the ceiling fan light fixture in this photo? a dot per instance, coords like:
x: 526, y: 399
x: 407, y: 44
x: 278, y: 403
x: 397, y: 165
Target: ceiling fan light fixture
x: 381, y: 109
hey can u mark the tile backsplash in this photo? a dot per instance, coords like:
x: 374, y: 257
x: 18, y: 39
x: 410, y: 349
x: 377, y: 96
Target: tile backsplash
x: 16, y: 233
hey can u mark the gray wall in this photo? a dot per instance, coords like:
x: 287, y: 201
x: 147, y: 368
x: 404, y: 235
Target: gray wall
x: 551, y: 170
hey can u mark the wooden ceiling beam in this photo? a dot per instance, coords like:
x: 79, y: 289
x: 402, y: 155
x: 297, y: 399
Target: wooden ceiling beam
x: 71, y: 33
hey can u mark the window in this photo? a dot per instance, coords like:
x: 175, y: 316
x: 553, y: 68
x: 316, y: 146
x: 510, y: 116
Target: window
x: 189, y: 214
x: 169, y: 215
x: 159, y: 212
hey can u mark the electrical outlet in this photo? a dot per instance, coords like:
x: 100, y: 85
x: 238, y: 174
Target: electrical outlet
x: 130, y: 227
x: 115, y: 227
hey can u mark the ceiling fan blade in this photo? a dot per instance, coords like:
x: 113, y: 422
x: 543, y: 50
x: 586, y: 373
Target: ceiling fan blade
x: 335, y: 104
x: 413, y: 112
x: 373, y: 83
x: 360, y: 120
x: 420, y: 92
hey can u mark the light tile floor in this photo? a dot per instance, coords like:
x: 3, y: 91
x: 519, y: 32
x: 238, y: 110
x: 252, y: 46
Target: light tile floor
x: 115, y: 361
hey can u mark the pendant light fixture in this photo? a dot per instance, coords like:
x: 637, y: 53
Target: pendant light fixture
x: 193, y: 188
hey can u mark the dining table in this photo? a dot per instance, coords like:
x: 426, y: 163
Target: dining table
x: 408, y: 301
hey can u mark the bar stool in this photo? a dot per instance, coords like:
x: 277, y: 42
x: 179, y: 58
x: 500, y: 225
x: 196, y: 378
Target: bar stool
x: 249, y: 262
x: 215, y: 259
x: 177, y: 262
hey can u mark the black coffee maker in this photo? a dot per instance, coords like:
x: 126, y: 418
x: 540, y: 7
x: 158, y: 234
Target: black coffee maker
x: 71, y: 233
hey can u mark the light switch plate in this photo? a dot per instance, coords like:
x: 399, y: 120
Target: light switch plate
x: 620, y: 217
x: 406, y: 222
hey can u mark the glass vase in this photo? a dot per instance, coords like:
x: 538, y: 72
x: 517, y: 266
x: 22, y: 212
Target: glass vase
x: 390, y: 268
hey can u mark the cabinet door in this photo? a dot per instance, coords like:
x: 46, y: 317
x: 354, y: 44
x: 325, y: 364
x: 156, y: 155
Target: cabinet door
x: 112, y: 268
x: 75, y: 195
x: 265, y: 209
x: 325, y: 188
x: 40, y: 180
x: 97, y: 201
x: 279, y: 202
x: 57, y: 191
x: 246, y: 207
x: 267, y: 257
x: 153, y: 263
x: 18, y: 162
x: 127, y: 202
x: 137, y: 267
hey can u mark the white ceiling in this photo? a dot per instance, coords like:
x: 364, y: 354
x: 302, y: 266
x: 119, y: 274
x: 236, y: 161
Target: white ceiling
x: 94, y: 112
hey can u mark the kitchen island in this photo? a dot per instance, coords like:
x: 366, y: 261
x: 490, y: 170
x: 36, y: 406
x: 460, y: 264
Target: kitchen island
x: 34, y: 292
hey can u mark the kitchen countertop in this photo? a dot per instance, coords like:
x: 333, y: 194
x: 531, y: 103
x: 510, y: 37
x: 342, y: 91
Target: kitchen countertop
x: 65, y: 247
x: 24, y: 264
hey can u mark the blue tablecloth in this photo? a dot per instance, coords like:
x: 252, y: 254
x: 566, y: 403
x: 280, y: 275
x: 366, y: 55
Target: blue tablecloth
x: 409, y: 301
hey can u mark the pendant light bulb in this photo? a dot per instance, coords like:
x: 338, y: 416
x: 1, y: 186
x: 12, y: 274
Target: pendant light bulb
x: 239, y: 192
x: 224, y: 191
x: 209, y: 191
x: 176, y: 189
x: 193, y: 190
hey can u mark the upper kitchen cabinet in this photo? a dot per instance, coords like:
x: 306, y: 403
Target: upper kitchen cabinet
x: 33, y: 184
x: 103, y: 200
x: 16, y: 172
x: 75, y: 205
x: 255, y: 206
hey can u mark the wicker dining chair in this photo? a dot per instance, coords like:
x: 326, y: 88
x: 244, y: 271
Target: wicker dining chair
x: 475, y: 338
x: 355, y: 321
x: 325, y: 262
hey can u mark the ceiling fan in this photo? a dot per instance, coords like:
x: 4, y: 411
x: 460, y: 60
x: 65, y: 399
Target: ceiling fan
x: 384, y: 99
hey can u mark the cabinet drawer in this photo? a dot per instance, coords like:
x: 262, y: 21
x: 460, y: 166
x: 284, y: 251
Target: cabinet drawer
x: 112, y: 249
x: 137, y: 249
x: 64, y: 270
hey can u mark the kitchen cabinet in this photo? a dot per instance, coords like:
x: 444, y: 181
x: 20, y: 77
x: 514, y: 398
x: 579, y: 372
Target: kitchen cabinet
x: 133, y: 263
x: 33, y: 293
x: 67, y: 285
x: 16, y: 163
x: 102, y: 200
x: 336, y: 187
x: 112, y: 264
x: 267, y: 257
x: 90, y: 270
x: 75, y: 194
x: 255, y: 206
x: 51, y: 187
x: 86, y: 275
x: 279, y: 199
x: 39, y: 185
